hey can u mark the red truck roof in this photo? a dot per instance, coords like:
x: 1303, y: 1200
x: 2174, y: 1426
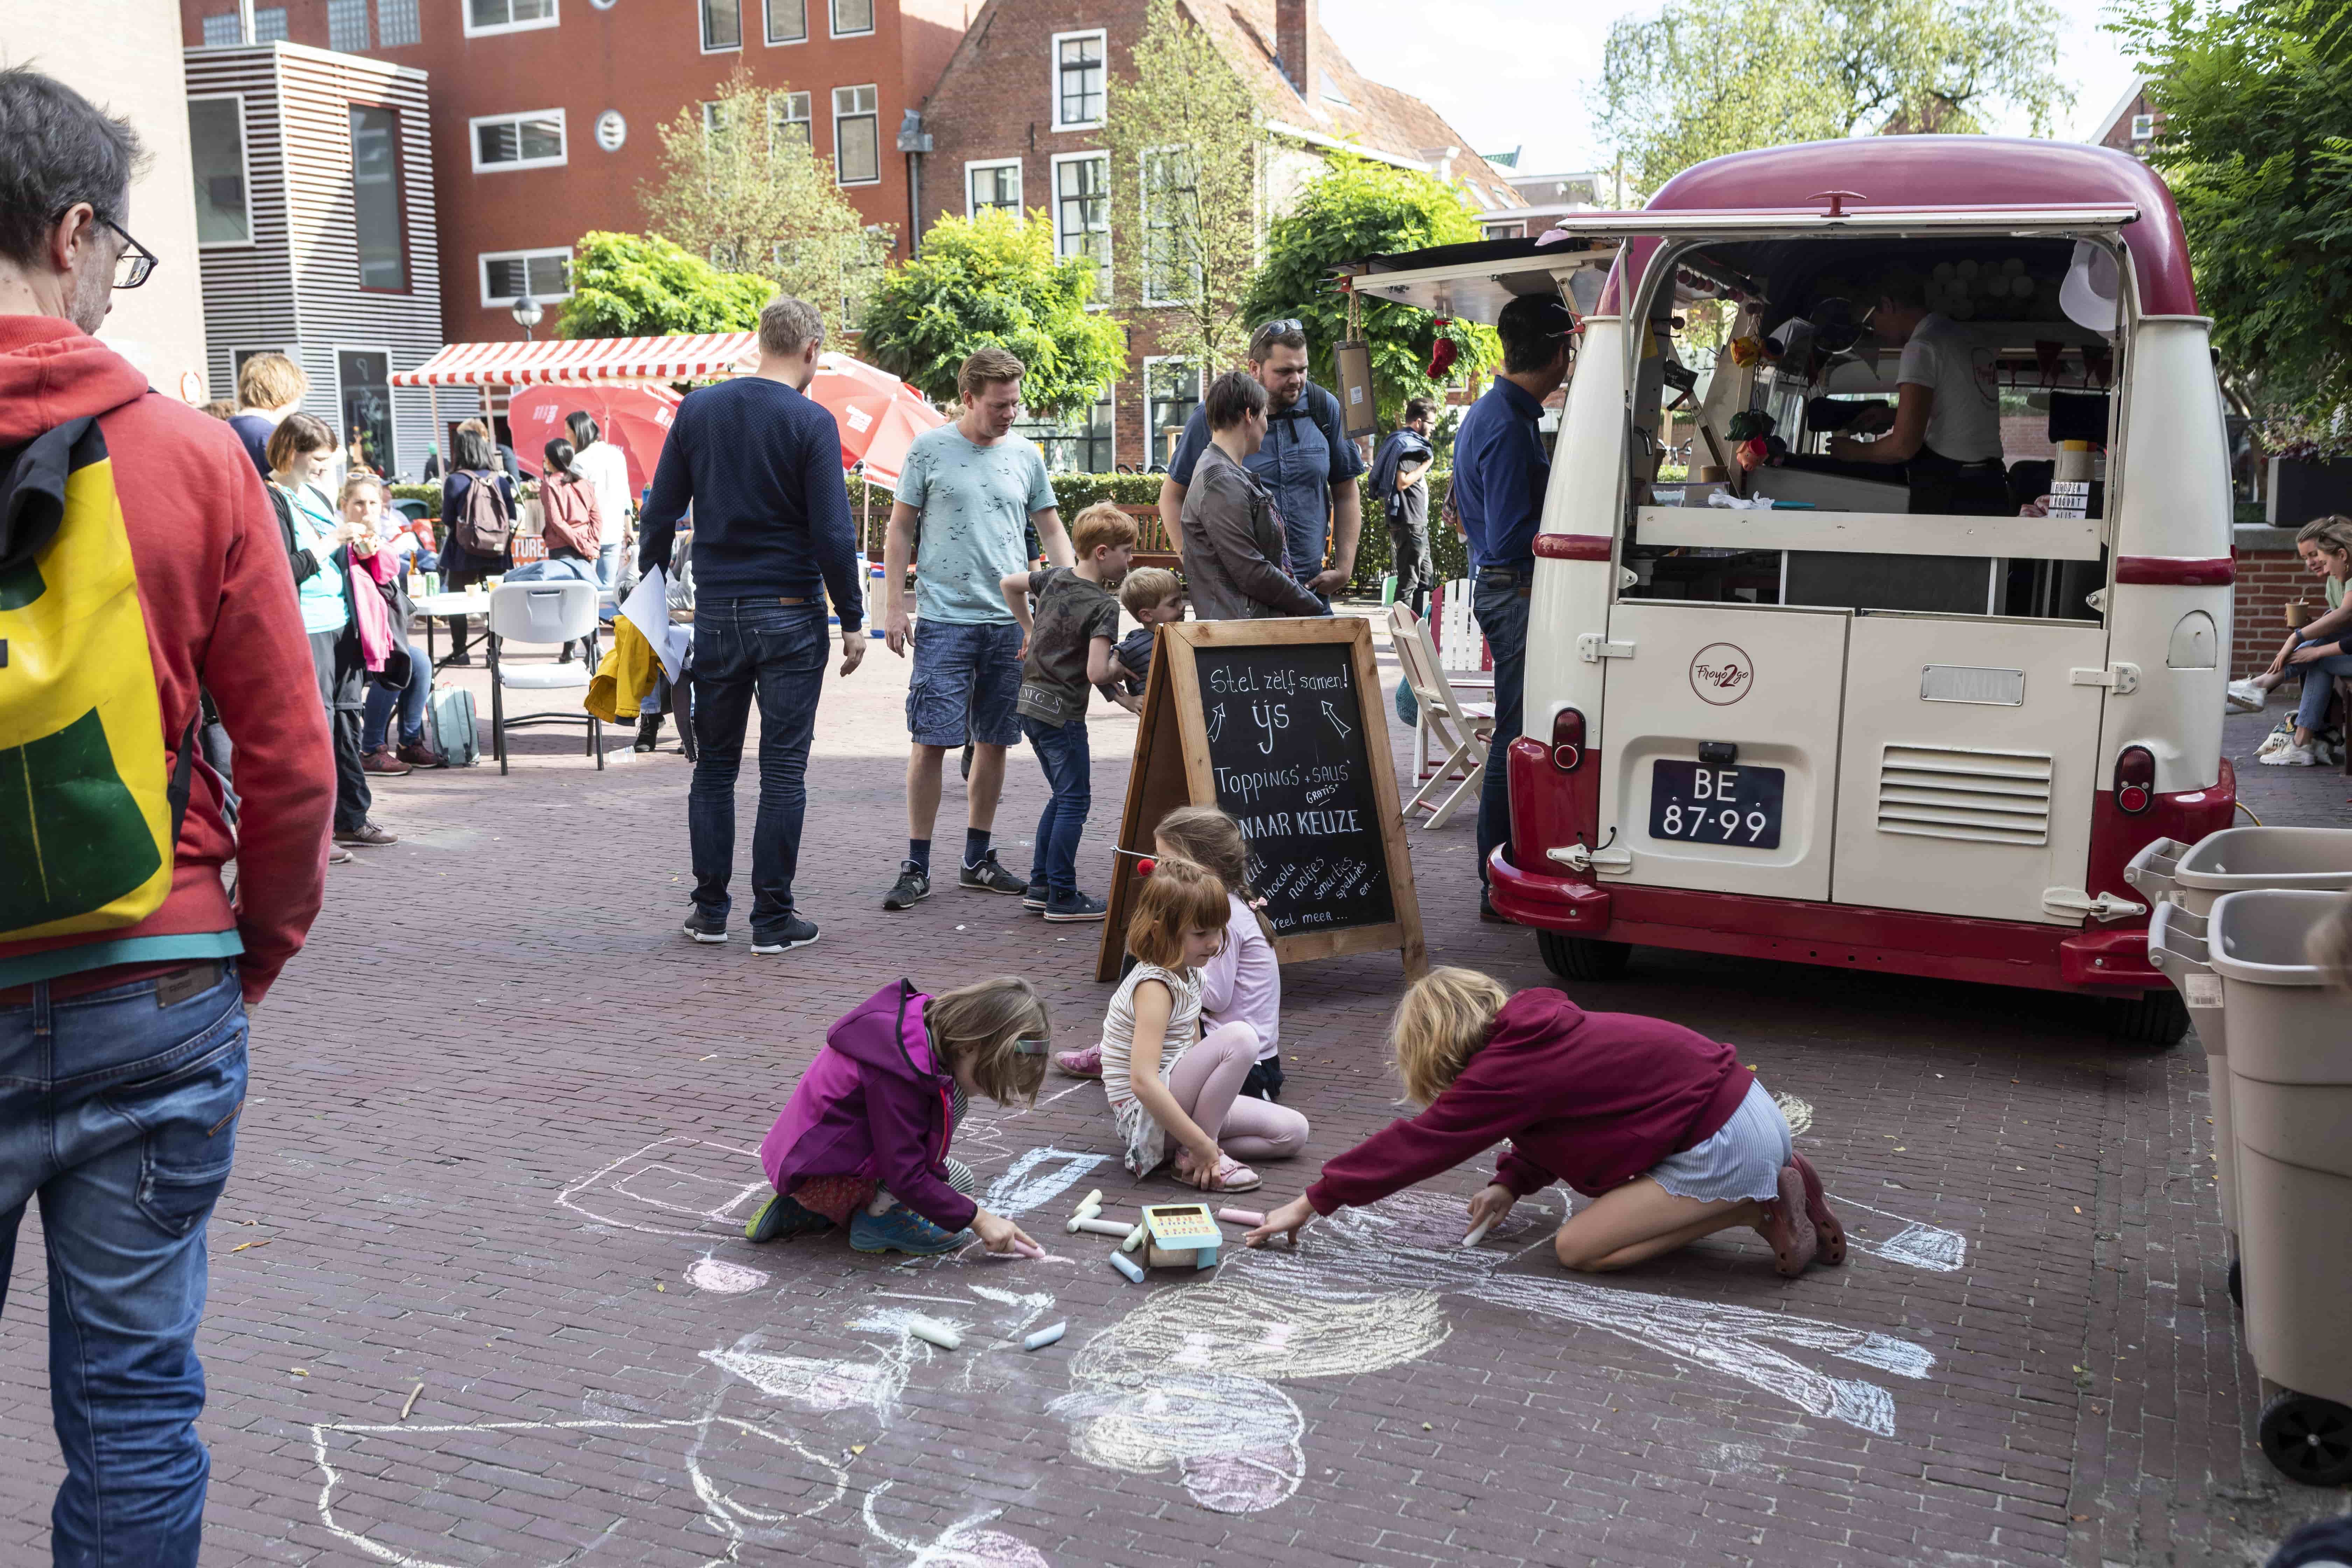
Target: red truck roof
x: 1942, y: 172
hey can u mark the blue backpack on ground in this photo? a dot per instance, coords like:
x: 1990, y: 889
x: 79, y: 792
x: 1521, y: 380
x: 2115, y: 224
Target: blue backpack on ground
x: 449, y: 727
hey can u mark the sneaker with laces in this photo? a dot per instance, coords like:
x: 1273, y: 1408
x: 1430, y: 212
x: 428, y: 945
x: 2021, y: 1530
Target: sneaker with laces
x: 781, y: 1220
x: 913, y: 885
x: 704, y: 927
x: 902, y: 1230
x: 2290, y: 756
x: 1033, y: 897
x: 989, y: 877
x: 794, y: 932
x: 1086, y: 1063
x: 367, y: 835
x: 1074, y: 905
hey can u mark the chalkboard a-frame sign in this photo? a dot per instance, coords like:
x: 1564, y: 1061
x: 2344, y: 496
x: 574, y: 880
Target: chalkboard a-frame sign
x: 1271, y: 721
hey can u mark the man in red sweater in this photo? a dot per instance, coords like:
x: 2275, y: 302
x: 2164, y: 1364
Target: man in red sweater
x: 122, y: 1048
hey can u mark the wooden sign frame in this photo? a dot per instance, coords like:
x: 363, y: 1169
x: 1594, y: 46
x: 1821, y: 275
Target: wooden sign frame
x: 1172, y: 769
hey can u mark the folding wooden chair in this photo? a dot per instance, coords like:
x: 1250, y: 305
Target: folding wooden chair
x: 1463, y: 729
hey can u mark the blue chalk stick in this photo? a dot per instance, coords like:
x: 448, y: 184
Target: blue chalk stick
x: 1120, y: 1261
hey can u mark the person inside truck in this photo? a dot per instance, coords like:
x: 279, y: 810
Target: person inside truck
x: 1945, y: 430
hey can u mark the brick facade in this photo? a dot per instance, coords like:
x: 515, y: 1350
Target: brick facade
x: 2270, y: 575
x: 644, y: 61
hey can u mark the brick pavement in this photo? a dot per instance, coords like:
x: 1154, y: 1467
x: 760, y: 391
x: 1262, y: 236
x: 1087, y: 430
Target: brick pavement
x: 499, y: 1143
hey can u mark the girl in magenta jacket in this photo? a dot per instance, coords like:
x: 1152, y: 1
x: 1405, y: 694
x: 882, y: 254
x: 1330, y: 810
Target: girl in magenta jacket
x: 1661, y: 1127
x: 863, y: 1144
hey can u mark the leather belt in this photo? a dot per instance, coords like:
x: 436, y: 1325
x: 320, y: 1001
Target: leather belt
x: 174, y: 983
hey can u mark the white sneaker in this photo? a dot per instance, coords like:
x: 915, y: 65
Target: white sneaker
x: 2245, y: 697
x: 2290, y: 756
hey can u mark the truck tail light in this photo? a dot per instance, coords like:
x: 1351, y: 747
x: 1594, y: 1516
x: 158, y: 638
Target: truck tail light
x: 1567, y: 739
x: 2136, y: 779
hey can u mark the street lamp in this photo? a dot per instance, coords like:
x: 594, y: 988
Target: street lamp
x: 526, y: 314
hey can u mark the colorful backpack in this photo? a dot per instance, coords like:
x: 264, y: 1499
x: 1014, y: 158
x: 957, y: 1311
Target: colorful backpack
x: 90, y: 806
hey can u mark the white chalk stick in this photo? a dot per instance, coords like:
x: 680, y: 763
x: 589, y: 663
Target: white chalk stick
x: 1093, y: 1200
x: 1241, y: 1216
x: 1099, y: 1227
x: 1134, y: 1238
x: 1043, y: 1337
x: 1120, y: 1261
x: 936, y: 1333
x: 1478, y: 1233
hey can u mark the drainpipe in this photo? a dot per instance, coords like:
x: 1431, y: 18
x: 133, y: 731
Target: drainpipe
x: 914, y: 142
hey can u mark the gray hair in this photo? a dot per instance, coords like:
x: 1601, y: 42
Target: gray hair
x: 57, y: 148
x: 788, y: 325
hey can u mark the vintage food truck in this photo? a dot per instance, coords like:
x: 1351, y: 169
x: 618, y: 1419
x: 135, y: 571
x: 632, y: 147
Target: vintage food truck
x: 1870, y: 716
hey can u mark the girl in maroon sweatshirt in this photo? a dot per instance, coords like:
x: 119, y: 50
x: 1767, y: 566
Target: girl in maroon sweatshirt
x: 1662, y: 1128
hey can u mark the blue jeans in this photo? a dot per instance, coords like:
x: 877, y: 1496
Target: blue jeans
x: 121, y: 1115
x: 1499, y: 595
x: 411, y: 699
x: 605, y: 556
x: 743, y: 648
x: 1070, y: 769
x: 2311, y: 713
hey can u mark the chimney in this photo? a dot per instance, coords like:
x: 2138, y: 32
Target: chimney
x: 1294, y: 31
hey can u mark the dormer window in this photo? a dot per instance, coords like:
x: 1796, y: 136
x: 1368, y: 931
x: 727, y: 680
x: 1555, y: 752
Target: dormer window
x: 1332, y: 90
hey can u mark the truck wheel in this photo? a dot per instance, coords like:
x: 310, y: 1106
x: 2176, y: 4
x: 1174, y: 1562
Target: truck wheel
x: 2308, y: 1438
x: 1583, y: 958
x: 2155, y: 1018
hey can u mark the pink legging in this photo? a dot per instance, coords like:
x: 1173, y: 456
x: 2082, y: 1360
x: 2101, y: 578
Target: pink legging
x: 1207, y: 1082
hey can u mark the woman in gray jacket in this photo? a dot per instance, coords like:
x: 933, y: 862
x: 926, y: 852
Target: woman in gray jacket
x: 1235, y: 559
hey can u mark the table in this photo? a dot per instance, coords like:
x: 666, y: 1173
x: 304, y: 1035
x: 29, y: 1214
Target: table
x: 433, y: 606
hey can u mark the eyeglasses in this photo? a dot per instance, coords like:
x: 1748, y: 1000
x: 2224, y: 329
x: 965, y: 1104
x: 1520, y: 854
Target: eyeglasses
x: 136, y: 264
x: 1275, y: 328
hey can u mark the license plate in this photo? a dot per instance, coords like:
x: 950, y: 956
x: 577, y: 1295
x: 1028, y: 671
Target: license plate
x: 1697, y: 803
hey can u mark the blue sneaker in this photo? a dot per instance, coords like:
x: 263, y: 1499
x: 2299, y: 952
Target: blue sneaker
x: 902, y: 1230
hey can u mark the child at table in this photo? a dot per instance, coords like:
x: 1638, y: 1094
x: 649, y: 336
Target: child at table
x: 1660, y: 1126
x: 1167, y: 1086
x: 863, y: 1144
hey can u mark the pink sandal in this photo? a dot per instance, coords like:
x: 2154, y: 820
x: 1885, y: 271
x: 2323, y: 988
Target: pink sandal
x: 1787, y: 1227
x: 1816, y: 1209
x: 1232, y: 1176
x: 1086, y: 1063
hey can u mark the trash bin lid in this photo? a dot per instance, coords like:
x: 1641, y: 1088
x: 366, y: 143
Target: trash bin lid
x: 2240, y: 857
x: 2261, y: 936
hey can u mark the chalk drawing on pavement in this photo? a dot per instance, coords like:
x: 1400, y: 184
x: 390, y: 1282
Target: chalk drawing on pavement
x: 723, y: 1278
x: 964, y: 1544
x: 1912, y: 1242
x: 1797, y: 1113
x: 673, y: 1186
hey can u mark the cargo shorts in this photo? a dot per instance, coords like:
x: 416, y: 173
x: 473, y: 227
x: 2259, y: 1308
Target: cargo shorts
x: 966, y: 680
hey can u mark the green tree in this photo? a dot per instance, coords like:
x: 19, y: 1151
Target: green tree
x: 1355, y: 208
x: 1704, y: 78
x: 1187, y: 151
x: 2256, y: 144
x: 995, y: 280
x: 739, y: 184
x: 641, y: 285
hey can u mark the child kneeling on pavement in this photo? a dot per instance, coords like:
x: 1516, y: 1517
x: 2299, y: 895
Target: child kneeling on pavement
x: 863, y: 1143
x: 1660, y: 1126
x: 1066, y: 648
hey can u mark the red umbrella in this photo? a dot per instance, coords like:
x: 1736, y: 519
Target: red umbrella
x: 879, y: 415
x: 635, y: 419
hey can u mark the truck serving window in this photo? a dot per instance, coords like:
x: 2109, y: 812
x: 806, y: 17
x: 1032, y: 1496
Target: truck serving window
x: 1871, y: 424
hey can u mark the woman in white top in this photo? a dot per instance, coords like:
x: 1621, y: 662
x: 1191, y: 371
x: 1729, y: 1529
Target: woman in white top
x: 1946, y: 430
x: 1165, y: 1086
x: 605, y: 468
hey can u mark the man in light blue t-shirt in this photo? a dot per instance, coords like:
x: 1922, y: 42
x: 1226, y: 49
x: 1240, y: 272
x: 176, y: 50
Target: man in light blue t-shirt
x: 967, y: 493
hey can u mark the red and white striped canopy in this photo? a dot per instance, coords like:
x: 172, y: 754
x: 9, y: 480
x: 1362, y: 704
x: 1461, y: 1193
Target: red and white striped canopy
x: 573, y: 361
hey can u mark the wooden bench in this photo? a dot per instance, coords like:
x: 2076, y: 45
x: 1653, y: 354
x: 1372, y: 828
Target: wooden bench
x: 1152, y: 545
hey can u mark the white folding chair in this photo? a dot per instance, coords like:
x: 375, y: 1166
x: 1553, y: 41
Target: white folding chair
x: 1459, y: 647
x: 548, y: 612
x: 1463, y: 729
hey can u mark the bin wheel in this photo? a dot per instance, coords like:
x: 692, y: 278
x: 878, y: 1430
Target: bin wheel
x: 2237, y: 1286
x: 1582, y: 957
x: 2153, y: 1018
x: 2308, y: 1438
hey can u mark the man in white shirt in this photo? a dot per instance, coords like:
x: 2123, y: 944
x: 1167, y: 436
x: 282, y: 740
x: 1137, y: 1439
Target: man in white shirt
x: 606, y: 469
x: 1946, y: 429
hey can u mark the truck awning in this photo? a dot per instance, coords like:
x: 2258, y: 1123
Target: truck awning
x: 575, y: 361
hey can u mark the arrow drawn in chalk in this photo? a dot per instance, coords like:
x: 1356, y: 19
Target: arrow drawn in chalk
x: 1337, y: 722
x: 1216, y: 723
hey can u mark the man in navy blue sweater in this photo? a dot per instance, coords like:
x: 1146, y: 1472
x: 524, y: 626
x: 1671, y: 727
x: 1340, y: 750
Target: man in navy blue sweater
x: 759, y: 464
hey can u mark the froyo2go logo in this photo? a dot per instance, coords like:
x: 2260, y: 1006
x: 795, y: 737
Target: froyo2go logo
x: 1721, y: 673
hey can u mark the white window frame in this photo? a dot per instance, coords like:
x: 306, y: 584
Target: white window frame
x: 775, y: 43
x: 1054, y: 77
x: 474, y: 142
x: 482, y: 274
x: 342, y: 437
x: 2143, y: 127
x: 875, y: 89
x: 1143, y: 225
x: 465, y: 16
x: 245, y: 156
x: 737, y: 47
x: 865, y: 32
x: 1054, y: 193
x: 1150, y: 425
x: 807, y: 123
x: 971, y: 209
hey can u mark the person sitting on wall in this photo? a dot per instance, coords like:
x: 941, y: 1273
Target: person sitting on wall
x: 1945, y: 431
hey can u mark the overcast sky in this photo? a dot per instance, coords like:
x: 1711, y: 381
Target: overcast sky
x: 1513, y: 72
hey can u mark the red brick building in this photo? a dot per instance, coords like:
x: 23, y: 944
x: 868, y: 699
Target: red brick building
x: 545, y: 113
x: 1014, y: 122
x: 2133, y: 122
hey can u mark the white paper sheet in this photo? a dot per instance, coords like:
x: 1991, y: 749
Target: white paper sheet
x: 647, y: 609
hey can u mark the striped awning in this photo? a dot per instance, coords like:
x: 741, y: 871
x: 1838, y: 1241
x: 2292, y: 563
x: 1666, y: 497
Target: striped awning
x: 571, y: 361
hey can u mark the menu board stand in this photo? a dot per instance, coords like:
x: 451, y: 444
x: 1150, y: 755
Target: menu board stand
x: 1280, y: 723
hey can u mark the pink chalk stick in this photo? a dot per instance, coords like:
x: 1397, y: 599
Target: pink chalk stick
x: 1241, y: 1216
x: 1028, y: 1248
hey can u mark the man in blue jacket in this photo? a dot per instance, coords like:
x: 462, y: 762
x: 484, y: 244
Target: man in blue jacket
x: 759, y: 462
